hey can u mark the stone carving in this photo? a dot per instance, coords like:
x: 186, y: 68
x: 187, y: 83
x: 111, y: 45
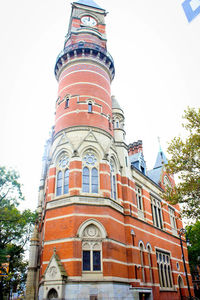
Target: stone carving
x: 91, y: 231
x: 90, y: 159
x: 52, y: 272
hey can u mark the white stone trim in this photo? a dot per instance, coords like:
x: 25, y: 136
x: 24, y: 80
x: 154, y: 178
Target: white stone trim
x: 112, y: 218
x: 85, y: 82
x: 81, y: 71
x: 78, y: 111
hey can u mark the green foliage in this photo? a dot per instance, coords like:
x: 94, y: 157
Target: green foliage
x: 15, y: 229
x: 193, y: 235
x: 185, y: 162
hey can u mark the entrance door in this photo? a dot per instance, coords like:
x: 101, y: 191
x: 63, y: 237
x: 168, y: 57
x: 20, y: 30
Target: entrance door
x: 144, y: 296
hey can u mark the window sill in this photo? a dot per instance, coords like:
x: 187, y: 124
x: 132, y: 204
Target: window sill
x: 173, y: 289
x: 92, y: 272
x: 60, y: 196
x: 92, y: 275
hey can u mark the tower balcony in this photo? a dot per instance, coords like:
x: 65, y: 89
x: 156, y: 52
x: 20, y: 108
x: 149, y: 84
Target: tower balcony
x: 84, y: 50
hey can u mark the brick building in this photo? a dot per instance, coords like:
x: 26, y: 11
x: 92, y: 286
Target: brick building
x: 104, y: 231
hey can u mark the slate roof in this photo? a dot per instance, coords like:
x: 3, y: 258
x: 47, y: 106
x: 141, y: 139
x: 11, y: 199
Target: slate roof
x: 90, y: 3
x: 160, y: 160
x: 135, y: 157
x: 137, y: 160
x: 155, y: 175
x: 156, y: 172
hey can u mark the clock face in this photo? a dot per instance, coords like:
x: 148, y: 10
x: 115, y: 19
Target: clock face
x: 88, y: 21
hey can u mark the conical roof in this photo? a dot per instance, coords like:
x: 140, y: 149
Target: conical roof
x: 115, y: 103
x: 160, y: 160
x: 90, y: 3
x: 156, y: 172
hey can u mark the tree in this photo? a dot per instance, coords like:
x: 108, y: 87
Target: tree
x: 185, y: 162
x: 15, y: 229
x: 193, y: 234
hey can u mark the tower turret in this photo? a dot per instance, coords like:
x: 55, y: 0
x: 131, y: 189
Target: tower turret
x: 118, y: 121
x: 84, y: 70
x: 95, y: 201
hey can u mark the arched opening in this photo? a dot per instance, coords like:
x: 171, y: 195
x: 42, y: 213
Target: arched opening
x: 90, y: 107
x: 141, y: 247
x: 52, y: 294
x: 113, y: 180
x: 180, y: 285
x: 90, y: 176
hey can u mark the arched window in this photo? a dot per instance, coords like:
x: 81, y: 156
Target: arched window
x: 164, y: 269
x: 59, y: 184
x: 181, y: 286
x: 66, y: 182
x: 92, y: 233
x: 90, y: 107
x: 67, y: 102
x: 90, y: 176
x: 86, y: 180
x: 141, y: 246
x: 94, y: 180
x: 113, y: 180
x: 150, y: 263
x: 62, y: 178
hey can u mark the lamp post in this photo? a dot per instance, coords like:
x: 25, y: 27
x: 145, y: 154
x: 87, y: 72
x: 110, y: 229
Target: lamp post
x: 182, y: 231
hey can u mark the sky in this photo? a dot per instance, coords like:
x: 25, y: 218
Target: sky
x: 156, y: 54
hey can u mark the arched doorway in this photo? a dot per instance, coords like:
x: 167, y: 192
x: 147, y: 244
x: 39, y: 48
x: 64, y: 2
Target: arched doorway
x: 52, y: 294
x: 180, y: 285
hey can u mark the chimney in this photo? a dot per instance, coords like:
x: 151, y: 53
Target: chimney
x: 135, y: 147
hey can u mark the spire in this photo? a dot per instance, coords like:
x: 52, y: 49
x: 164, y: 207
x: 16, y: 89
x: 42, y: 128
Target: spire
x: 90, y: 3
x: 161, y: 159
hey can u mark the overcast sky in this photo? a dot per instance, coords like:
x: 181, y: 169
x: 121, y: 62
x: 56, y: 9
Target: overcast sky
x: 157, y: 61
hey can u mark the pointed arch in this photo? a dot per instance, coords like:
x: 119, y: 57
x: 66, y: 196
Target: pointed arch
x: 142, y: 248
x: 92, y: 222
x: 90, y: 173
x: 62, y: 174
x: 113, y: 179
x: 52, y: 294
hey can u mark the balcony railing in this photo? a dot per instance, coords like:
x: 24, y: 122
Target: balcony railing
x: 87, y: 48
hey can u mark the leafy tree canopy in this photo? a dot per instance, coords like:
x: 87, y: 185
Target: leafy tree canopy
x: 193, y: 235
x: 185, y: 162
x: 15, y: 229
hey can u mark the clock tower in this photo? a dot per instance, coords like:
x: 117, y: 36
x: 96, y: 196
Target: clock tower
x: 104, y: 231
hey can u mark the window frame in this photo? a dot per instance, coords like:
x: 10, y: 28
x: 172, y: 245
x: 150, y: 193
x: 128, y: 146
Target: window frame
x: 163, y: 259
x: 62, y: 169
x: 91, y: 167
x: 139, y: 199
x: 172, y: 220
x: 149, y: 253
x: 156, y: 209
x: 113, y: 180
x: 141, y: 248
x: 90, y: 107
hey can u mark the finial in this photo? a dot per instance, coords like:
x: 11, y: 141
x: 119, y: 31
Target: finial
x: 54, y: 250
